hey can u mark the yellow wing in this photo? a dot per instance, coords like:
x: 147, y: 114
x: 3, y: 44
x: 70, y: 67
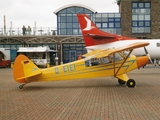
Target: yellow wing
x: 107, y: 52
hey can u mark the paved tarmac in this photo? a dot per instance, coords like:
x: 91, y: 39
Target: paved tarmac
x: 92, y: 99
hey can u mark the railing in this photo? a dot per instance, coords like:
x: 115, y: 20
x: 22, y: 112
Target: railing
x: 35, y: 31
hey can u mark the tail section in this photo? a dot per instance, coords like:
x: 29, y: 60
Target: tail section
x: 94, y: 36
x: 24, y: 68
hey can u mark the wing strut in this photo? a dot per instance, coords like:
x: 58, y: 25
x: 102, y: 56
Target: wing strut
x: 116, y: 72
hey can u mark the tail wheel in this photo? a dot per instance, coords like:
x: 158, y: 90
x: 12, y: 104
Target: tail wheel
x: 121, y: 82
x: 131, y: 83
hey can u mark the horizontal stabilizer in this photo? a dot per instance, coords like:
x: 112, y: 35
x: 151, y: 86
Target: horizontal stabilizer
x: 98, y: 36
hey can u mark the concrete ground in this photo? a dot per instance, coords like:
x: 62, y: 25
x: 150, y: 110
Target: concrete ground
x: 93, y: 99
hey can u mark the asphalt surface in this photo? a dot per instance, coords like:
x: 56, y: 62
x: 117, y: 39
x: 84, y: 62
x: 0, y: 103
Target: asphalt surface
x: 89, y: 99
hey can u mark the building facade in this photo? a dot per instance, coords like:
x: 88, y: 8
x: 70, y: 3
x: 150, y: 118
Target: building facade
x: 140, y: 18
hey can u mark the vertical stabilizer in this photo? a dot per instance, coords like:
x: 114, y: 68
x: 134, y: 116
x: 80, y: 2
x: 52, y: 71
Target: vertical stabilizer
x: 24, y: 68
x: 93, y: 35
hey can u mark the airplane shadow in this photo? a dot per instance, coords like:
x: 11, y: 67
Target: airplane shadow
x: 41, y: 87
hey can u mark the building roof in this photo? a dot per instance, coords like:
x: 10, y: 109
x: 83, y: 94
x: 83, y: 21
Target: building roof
x: 72, y: 5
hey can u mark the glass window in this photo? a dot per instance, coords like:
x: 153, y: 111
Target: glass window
x: 13, y: 47
x: 69, y: 31
x: 104, y: 25
x: 75, y: 31
x: 117, y: 25
x: 7, y: 46
x: 98, y: 25
x: 104, y: 19
x: 147, y: 5
x: 147, y: 24
x: 62, y: 25
x: 140, y: 29
x: 118, y: 31
x: 19, y: 46
x: 111, y: 15
x: 69, y: 25
x: 76, y: 25
x: 147, y: 11
x: 63, y: 11
x: 79, y: 10
x: 98, y: 15
x: 134, y: 5
x: 71, y: 10
x: 75, y: 19
x: 87, y: 11
x: 134, y: 17
x: 98, y: 19
x: 147, y: 17
x: 63, y: 31
x: 134, y: 29
x: 62, y: 19
x: 110, y: 19
x: 141, y: 17
x: 104, y: 15
x: 147, y: 30
x: 141, y: 5
x: 117, y: 15
x: 69, y: 18
x: 134, y: 24
x: 142, y: 11
x: 134, y: 11
x: 62, y: 14
x: 141, y: 24
x: 111, y: 24
x: 117, y: 19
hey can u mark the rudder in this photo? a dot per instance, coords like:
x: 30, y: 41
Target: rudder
x: 24, y: 68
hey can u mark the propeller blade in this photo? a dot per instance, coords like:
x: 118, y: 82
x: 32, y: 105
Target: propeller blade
x: 148, y: 56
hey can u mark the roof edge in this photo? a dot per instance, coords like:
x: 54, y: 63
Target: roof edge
x: 71, y: 5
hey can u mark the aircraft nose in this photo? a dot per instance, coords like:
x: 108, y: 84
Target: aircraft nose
x: 141, y: 61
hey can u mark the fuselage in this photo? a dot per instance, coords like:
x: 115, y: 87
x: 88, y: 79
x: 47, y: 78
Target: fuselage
x: 153, y: 48
x: 78, y: 70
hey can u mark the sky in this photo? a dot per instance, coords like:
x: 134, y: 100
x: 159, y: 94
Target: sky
x: 29, y: 12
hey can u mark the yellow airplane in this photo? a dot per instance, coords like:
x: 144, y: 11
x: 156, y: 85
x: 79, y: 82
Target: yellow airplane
x: 98, y: 63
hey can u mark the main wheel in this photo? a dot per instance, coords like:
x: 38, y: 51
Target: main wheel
x: 131, y: 83
x: 121, y: 82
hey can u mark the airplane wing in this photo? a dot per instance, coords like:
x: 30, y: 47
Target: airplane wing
x: 112, y: 55
x: 94, y: 52
x: 104, y: 53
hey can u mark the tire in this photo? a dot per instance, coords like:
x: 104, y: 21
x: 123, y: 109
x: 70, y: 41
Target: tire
x: 131, y: 83
x: 21, y: 87
x: 121, y: 82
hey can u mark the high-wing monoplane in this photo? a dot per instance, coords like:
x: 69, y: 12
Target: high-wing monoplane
x: 98, y: 63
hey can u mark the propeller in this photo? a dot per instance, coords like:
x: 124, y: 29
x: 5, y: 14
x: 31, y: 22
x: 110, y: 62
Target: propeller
x: 148, y: 56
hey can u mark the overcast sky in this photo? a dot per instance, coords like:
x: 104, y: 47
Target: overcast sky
x: 26, y: 12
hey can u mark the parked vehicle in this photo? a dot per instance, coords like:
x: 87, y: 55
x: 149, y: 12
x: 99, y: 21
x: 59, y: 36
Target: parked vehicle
x: 3, y: 61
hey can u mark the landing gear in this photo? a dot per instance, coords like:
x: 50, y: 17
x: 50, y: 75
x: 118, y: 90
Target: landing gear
x: 121, y: 82
x: 21, y: 86
x: 131, y: 83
